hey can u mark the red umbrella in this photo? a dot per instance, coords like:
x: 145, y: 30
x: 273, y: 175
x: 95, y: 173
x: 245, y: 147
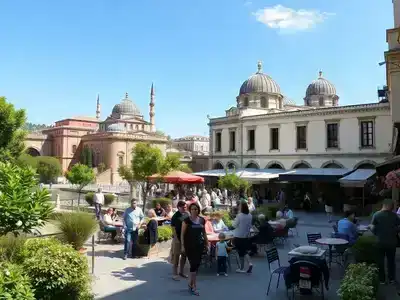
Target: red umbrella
x: 177, y: 177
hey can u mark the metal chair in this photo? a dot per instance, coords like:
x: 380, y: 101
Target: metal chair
x: 273, y: 256
x: 292, y: 226
x: 312, y: 237
x: 316, y: 285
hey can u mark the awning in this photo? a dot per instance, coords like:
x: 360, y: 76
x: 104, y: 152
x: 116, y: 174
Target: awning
x: 253, y: 175
x: 358, y: 178
x: 177, y: 177
x: 389, y: 165
x: 321, y: 175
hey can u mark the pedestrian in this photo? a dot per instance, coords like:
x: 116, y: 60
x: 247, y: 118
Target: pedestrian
x: 178, y: 258
x: 132, y: 221
x: 222, y: 255
x: 98, y: 202
x: 385, y: 225
x: 194, y: 243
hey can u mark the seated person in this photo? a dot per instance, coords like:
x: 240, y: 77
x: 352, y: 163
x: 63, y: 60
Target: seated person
x: 109, y: 223
x: 346, y: 227
x: 264, y: 236
x: 208, y: 226
x: 280, y: 219
x: 169, y: 212
x: 288, y: 213
x: 160, y: 212
x: 217, y: 223
x: 114, y: 216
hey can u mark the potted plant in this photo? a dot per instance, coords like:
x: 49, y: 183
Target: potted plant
x: 76, y: 228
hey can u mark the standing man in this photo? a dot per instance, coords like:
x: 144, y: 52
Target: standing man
x: 178, y: 258
x: 385, y: 226
x: 132, y: 221
x: 98, y: 202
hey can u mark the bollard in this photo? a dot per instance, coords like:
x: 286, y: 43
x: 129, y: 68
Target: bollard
x: 93, y: 254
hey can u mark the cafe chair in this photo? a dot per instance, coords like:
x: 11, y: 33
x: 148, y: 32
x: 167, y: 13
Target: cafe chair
x: 312, y: 237
x: 272, y: 257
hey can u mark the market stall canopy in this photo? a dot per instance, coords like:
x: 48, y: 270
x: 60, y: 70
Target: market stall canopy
x: 387, y: 166
x: 254, y: 175
x: 177, y: 177
x: 358, y: 178
x: 322, y: 175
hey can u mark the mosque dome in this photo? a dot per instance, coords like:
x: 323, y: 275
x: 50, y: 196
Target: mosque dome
x: 117, y: 127
x: 320, y: 86
x: 126, y: 107
x: 259, y: 83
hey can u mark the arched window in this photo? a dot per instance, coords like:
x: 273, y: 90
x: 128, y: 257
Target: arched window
x: 246, y: 101
x: 321, y: 101
x: 332, y: 166
x: 275, y: 166
x: 263, y: 102
x: 301, y: 166
x: 218, y: 166
x: 251, y: 166
x: 32, y: 152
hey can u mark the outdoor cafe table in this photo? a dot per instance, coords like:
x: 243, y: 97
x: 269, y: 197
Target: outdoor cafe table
x: 330, y: 242
x: 319, y: 254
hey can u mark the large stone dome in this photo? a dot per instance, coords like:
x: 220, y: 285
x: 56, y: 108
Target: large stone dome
x: 320, y: 86
x: 126, y: 107
x: 259, y: 83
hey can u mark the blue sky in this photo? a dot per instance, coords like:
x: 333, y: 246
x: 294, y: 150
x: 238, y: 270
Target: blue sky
x: 55, y: 56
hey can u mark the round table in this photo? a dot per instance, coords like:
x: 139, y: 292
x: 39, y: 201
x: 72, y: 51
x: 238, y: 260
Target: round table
x: 331, y: 242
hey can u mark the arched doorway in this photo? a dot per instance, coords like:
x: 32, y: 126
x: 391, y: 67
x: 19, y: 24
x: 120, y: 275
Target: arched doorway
x: 218, y: 166
x: 332, y: 166
x: 366, y: 166
x: 32, y: 151
x: 275, y: 166
x: 251, y: 166
x: 301, y: 166
x: 231, y: 165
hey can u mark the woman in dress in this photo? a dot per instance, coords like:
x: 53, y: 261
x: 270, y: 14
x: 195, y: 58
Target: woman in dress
x: 194, y: 242
x: 242, y: 225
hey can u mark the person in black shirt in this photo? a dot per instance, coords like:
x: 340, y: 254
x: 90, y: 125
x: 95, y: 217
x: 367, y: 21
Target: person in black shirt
x: 194, y: 242
x: 160, y: 212
x: 177, y: 257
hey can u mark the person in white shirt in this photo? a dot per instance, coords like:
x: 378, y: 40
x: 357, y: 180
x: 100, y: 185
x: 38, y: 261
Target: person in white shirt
x: 217, y: 223
x: 251, y: 204
x: 242, y: 225
x: 205, y: 201
x: 98, y: 202
x: 109, y: 224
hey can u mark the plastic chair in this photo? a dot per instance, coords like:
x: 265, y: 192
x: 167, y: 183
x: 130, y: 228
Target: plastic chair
x: 273, y: 256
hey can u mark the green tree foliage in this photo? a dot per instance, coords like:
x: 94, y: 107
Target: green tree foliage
x: 80, y: 175
x: 234, y: 183
x: 30, y: 127
x: 12, y: 135
x: 26, y: 160
x: 127, y: 174
x: 185, y: 168
x: 48, y: 168
x: 87, y: 157
x: 23, y: 206
x: 14, y: 284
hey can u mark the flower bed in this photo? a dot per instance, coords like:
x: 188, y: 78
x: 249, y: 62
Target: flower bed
x: 359, y: 283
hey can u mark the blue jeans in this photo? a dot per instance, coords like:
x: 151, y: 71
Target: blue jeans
x: 97, y: 207
x: 221, y: 264
x: 130, y: 236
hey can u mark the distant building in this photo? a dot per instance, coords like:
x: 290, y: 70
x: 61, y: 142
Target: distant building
x: 110, y: 141
x: 193, y: 143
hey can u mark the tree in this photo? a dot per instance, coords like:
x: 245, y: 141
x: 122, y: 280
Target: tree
x: 48, y: 168
x: 185, y: 168
x: 233, y: 183
x: 80, y: 175
x: 127, y: 174
x: 87, y: 157
x: 25, y: 160
x: 23, y: 205
x: 12, y: 135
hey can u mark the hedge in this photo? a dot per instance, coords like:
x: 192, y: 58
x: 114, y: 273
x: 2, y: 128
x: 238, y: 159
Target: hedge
x: 108, y: 199
x: 268, y: 210
x: 359, y: 283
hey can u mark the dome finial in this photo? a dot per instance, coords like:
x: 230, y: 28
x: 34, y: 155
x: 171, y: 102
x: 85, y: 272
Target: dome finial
x: 259, y: 66
x: 320, y: 74
x: 126, y: 95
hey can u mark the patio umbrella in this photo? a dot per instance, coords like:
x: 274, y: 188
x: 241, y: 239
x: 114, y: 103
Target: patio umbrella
x: 176, y: 177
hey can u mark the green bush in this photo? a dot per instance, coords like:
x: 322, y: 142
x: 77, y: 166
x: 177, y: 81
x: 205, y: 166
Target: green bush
x: 77, y: 227
x: 269, y: 210
x: 14, y: 284
x: 365, y: 249
x: 163, y: 202
x: 226, y: 217
x: 359, y: 283
x: 48, y: 168
x: 11, y: 248
x: 164, y: 233
x: 108, y: 199
x: 57, y: 271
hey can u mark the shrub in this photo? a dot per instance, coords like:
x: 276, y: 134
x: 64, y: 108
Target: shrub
x: 359, y: 283
x: 14, y: 284
x: 365, y: 249
x: 77, y: 227
x: 163, y: 201
x: 164, y: 233
x: 108, y: 199
x: 11, y: 248
x: 269, y: 210
x: 226, y: 217
x: 48, y: 168
x: 56, y: 270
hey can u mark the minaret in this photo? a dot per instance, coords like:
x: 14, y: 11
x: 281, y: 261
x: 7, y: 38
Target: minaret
x: 98, y: 108
x: 152, y: 114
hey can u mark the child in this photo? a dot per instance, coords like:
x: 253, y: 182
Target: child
x: 222, y: 255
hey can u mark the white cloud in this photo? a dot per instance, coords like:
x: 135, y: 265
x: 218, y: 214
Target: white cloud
x: 248, y: 3
x: 285, y: 18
